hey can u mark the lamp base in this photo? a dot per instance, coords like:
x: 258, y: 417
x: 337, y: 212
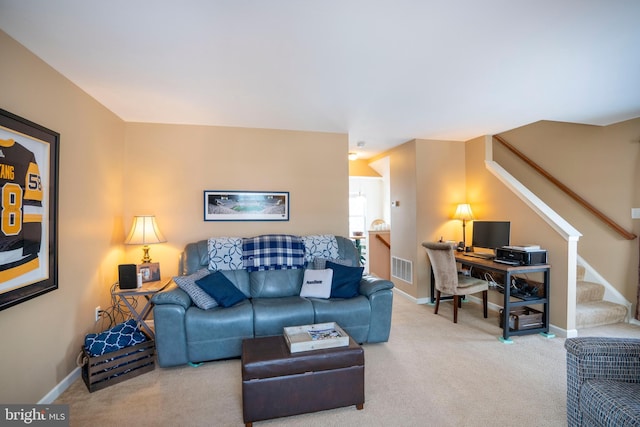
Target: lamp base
x: 145, y: 256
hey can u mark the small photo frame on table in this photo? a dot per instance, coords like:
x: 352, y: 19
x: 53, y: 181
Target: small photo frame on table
x: 150, y: 271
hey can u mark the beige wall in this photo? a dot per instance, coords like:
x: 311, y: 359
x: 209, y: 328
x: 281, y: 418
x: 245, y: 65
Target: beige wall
x: 361, y: 167
x: 403, y: 190
x: 110, y: 171
x: 41, y: 337
x: 492, y: 201
x: 168, y: 167
x: 601, y: 165
x: 427, y: 179
x: 441, y: 174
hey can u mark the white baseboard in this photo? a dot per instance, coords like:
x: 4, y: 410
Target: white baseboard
x: 61, y: 387
x: 411, y: 297
x: 565, y: 333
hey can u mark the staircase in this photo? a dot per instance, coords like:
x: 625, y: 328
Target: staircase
x: 591, y: 309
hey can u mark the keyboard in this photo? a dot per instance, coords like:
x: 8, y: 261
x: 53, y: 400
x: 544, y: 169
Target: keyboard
x: 481, y: 255
x: 506, y: 261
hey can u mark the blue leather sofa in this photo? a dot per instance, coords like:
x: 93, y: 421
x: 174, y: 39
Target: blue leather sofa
x: 188, y: 334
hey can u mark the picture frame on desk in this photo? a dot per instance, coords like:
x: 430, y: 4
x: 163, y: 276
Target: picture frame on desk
x: 29, y: 155
x: 149, y: 271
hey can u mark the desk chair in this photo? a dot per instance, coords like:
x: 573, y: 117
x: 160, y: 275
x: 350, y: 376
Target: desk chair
x: 447, y: 279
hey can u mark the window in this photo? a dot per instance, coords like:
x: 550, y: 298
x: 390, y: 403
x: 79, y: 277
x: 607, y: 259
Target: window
x: 357, y: 213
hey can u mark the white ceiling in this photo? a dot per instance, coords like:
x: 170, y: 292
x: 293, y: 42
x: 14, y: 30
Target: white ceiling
x: 382, y: 71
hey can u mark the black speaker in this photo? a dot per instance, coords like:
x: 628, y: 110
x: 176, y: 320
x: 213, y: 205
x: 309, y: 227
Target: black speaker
x: 127, y: 276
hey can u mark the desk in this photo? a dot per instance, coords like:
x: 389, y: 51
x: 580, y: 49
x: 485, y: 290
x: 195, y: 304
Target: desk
x: 147, y: 290
x: 508, y: 304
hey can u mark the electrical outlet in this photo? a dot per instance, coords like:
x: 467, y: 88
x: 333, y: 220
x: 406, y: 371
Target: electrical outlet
x: 635, y: 213
x: 98, y: 313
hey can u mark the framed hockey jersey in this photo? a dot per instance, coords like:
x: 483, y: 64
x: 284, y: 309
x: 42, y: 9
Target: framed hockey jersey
x: 28, y: 209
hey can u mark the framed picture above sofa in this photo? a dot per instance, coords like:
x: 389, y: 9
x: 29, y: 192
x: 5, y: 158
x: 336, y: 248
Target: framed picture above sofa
x: 246, y: 205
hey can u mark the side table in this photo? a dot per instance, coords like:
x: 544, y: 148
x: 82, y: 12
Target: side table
x: 147, y: 290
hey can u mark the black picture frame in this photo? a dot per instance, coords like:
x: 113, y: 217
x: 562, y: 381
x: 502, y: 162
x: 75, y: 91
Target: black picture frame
x: 30, y: 247
x: 246, y: 205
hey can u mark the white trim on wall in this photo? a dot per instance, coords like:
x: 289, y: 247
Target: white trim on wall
x: 60, y: 387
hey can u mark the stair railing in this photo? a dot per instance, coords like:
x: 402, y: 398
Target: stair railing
x: 589, y: 207
x: 384, y: 242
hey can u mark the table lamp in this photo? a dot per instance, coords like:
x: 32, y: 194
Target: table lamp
x: 144, y: 231
x: 463, y: 213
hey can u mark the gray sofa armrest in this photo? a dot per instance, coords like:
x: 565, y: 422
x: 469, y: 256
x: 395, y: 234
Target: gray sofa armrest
x: 604, y: 358
x: 172, y: 294
x: 595, y: 358
x: 372, y: 284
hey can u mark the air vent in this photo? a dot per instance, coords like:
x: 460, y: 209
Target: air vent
x: 402, y: 269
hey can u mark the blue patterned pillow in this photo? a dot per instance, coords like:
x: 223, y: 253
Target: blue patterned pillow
x: 120, y: 336
x: 320, y: 246
x: 225, y: 253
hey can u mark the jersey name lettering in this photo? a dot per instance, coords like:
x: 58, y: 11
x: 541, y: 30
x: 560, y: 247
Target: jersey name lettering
x: 7, y: 171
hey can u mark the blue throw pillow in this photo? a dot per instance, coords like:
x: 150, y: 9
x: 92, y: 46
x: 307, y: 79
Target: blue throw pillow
x: 346, y: 280
x: 221, y: 289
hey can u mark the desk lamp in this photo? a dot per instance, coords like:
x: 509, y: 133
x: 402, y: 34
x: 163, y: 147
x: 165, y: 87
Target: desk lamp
x: 144, y: 231
x: 463, y: 213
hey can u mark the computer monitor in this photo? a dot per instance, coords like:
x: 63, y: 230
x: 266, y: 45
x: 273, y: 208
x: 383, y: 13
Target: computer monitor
x: 491, y: 234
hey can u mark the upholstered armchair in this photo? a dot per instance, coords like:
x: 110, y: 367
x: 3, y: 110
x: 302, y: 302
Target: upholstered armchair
x: 603, y: 381
x: 447, y: 279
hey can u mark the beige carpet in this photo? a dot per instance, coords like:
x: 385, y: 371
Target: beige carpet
x: 431, y: 372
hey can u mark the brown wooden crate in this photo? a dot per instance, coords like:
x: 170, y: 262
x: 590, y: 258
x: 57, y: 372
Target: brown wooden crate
x: 523, y: 318
x: 112, y: 368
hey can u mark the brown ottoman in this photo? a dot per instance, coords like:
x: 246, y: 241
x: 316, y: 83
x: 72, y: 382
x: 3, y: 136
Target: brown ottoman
x: 277, y: 383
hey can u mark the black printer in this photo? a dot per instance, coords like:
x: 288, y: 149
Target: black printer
x: 521, y: 256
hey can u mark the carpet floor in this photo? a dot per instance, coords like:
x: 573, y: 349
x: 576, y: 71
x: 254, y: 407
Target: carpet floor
x: 431, y: 372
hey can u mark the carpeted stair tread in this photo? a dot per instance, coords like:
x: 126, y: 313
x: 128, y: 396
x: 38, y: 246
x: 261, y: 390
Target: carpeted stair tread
x: 596, y: 313
x: 588, y: 292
